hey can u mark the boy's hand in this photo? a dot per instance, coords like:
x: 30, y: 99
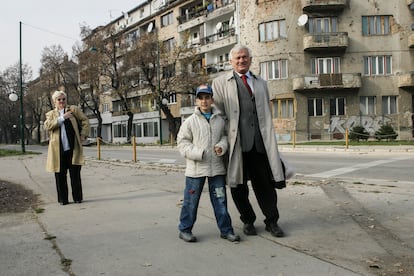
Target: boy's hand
x: 218, y: 150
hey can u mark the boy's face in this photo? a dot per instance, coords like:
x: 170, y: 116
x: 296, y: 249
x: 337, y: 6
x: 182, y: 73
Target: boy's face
x: 204, y: 102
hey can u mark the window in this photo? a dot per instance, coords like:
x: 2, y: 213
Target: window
x: 323, y: 25
x: 137, y: 130
x: 119, y: 130
x: 274, y: 70
x: 283, y: 108
x: 377, y: 65
x: 169, y: 44
x: 315, y: 107
x: 337, y: 106
x: 328, y: 65
x: 367, y: 105
x: 105, y: 108
x: 389, y: 105
x: 172, y: 97
x: 93, y: 132
x: 167, y: 19
x: 150, y: 129
x: 272, y: 30
x: 168, y: 71
x: 376, y: 25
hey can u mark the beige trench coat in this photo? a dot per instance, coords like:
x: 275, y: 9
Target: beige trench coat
x: 227, y: 101
x: 51, y: 124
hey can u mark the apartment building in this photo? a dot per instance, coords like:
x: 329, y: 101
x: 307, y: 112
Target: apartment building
x: 333, y: 64
x: 330, y: 64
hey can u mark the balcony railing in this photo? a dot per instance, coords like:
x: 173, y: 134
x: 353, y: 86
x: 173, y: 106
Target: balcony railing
x: 198, y: 11
x: 217, y: 67
x: 325, y: 41
x: 406, y: 79
x: 217, y: 36
x: 323, y: 5
x: 327, y: 81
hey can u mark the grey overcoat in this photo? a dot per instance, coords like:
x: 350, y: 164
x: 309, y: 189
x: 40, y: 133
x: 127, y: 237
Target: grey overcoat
x: 227, y: 101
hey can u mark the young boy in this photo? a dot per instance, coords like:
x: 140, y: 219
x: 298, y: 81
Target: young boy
x: 201, y: 140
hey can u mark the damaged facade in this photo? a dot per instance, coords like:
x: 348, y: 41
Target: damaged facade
x: 330, y: 64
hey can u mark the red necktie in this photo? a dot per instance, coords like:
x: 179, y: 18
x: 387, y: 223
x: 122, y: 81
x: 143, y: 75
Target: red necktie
x: 244, y: 79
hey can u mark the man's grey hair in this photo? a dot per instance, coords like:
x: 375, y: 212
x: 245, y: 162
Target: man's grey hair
x: 56, y: 94
x: 239, y: 47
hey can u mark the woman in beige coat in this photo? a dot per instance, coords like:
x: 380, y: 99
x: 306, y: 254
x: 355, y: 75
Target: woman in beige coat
x: 68, y: 126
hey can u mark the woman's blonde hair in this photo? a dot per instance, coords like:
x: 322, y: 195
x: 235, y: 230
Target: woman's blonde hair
x: 56, y: 94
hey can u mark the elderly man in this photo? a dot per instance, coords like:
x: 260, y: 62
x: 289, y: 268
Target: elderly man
x: 253, y: 153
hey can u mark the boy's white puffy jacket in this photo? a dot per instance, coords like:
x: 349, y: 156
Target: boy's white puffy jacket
x: 196, y: 140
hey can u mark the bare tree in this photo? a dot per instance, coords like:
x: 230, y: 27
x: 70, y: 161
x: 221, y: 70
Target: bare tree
x: 165, y: 68
x: 10, y: 111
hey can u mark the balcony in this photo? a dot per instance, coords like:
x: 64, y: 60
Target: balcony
x: 217, y: 67
x: 327, y: 81
x: 411, y: 41
x: 192, y: 19
x: 323, y: 5
x: 405, y: 79
x: 325, y: 41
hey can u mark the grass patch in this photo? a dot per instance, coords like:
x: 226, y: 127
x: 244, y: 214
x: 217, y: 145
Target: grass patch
x: 39, y: 210
x: 355, y: 143
x: 6, y: 152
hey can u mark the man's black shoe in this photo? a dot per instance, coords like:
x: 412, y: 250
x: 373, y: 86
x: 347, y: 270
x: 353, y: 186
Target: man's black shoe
x: 249, y: 229
x: 275, y: 230
x: 230, y: 237
x: 188, y: 237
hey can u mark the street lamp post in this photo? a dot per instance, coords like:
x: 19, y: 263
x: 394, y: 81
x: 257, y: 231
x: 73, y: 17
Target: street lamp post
x: 21, y: 93
x: 14, y: 97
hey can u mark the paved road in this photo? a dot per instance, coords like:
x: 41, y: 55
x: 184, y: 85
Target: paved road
x: 128, y: 226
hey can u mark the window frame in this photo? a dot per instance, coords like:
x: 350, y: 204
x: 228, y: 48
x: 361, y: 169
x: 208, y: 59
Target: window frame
x: 334, y: 63
x: 337, y: 106
x: 317, y: 107
x: 380, y: 65
x: 367, y: 105
x: 274, y: 69
x: 167, y: 19
x: 284, y: 108
x: 272, y: 30
x: 389, y: 105
x: 374, y: 25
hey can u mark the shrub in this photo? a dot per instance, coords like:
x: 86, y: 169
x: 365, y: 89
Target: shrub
x: 358, y: 133
x: 386, y: 132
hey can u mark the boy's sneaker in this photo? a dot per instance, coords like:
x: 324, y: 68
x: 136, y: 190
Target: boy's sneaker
x: 230, y: 237
x: 188, y: 237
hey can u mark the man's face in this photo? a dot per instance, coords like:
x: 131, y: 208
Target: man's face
x: 240, y: 61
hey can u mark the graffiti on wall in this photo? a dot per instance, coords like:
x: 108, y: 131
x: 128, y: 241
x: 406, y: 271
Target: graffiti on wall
x: 371, y: 124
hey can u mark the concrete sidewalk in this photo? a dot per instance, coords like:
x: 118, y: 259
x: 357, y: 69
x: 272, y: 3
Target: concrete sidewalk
x: 127, y: 225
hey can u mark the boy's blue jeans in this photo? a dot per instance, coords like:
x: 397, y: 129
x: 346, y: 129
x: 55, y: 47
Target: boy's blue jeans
x: 192, y: 193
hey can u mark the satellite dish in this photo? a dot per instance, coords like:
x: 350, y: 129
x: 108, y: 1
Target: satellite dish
x: 218, y: 26
x: 302, y: 20
x: 126, y: 16
x: 150, y: 26
x: 231, y: 21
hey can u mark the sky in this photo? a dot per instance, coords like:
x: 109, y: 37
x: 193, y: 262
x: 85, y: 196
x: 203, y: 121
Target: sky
x: 50, y: 22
